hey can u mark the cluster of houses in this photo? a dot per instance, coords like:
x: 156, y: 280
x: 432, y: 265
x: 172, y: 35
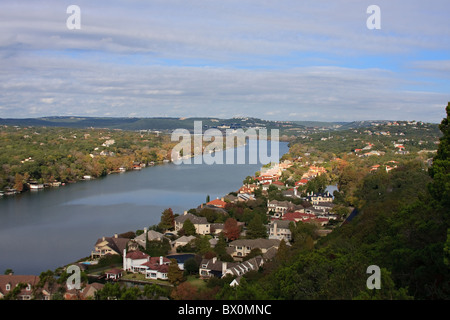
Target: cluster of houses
x: 136, y: 261
x: 31, y: 288
x: 282, y: 214
x: 390, y: 165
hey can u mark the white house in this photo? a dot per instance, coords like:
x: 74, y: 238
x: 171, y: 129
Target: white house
x: 279, y: 229
x: 140, y: 262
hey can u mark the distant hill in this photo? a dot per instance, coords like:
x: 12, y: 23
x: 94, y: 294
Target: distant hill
x: 161, y: 124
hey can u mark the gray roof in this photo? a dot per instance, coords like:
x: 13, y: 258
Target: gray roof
x: 186, y: 239
x: 256, y: 243
x: 151, y: 235
x: 246, y: 266
x: 216, y: 265
x: 281, y: 223
x: 270, y: 254
x: 194, y: 219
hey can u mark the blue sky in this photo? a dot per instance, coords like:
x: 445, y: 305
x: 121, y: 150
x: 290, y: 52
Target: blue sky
x: 275, y: 60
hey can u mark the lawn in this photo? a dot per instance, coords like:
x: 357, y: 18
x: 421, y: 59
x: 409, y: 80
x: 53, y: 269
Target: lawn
x: 196, y: 281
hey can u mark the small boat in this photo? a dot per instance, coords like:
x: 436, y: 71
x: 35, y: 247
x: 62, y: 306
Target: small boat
x: 36, y: 186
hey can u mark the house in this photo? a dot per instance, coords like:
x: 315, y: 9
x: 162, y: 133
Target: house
x: 151, y: 267
x: 88, y: 292
x: 133, y: 260
x: 316, y: 170
x: 202, y: 226
x: 298, y: 216
x: 217, y: 228
x: 242, y: 268
x: 278, y: 184
x: 182, y: 241
x: 323, y: 206
x: 109, y: 245
x: 265, y: 179
x: 291, y: 193
x: 11, y: 281
x: 218, y: 203
x: 114, y: 274
x: 280, y: 207
x: 249, y: 188
x: 238, y: 249
x: 318, y: 221
x: 301, y: 182
x: 286, y: 164
x: 152, y: 235
x: 157, y: 269
x: 315, y: 198
x: 85, y: 293
x: 230, y: 198
x: 279, y: 229
x: 216, y: 268
x: 245, y: 197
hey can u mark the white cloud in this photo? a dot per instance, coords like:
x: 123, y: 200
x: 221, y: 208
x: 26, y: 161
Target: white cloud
x: 259, y: 58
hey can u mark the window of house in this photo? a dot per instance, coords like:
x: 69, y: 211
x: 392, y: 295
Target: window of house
x: 8, y: 287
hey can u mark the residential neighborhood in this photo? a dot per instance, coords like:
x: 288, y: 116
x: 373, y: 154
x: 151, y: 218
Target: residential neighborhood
x: 209, y: 221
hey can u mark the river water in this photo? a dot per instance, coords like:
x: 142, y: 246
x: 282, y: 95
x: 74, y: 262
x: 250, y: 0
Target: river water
x: 43, y: 230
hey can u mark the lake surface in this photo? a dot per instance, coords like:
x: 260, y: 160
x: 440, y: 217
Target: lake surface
x: 43, y: 230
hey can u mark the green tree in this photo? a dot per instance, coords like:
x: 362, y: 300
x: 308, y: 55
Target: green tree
x: 154, y: 291
x: 256, y: 229
x: 175, y: 274
x: 167, y: 220
x: 191, y: 266
x: 189, y: 228
x: 387, y: 291
x: 440, y: 170
x: 110, y: 291
x: 201, y: 244
x: 132, y: 293
x: 318, y: 184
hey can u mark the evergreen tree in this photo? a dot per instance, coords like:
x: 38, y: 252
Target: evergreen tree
x: 167, y: 220
x: 440, y: 170
x: 256, y: 229
x: 175, y: 274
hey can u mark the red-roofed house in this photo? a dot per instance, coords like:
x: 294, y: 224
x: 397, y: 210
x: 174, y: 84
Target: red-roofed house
x: 217, y: 203
x: 28, y: 292
x: 152, y: 267
x: 302, y: 182
x: 114, y: 274
x: 278, y: 183
x: 297, y: 216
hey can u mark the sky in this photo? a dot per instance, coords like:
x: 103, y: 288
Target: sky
x: 274, y: 60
